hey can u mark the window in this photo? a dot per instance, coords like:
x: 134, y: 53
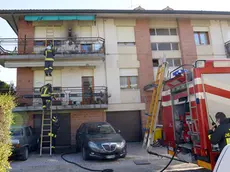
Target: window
x: 175, y: 46
x: 16, y: 132
x: 170, y: 61
x: 94, y: 129
x: 128, y: 82
x: 86, y: 48
x: 173, y: 62
x: 163, y: 31
x: 126, y: 43
x: 154, y: 46
x: 201, y: 38
x: 177, y: 62
x: 164, y: 46
x: 155, y: 62
x: 173, y: 32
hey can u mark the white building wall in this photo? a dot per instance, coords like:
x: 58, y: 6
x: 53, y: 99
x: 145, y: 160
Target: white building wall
x: 217, y: 39
x: 113, y: 78
x: 106, y: 73
x: 100, y: 75
x: 219, y: 34
x: 71, y: 76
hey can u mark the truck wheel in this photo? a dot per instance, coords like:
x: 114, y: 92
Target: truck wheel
x: 25, y: 154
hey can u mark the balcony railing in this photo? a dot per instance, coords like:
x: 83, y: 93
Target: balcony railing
x: 75, y: 97
x: 79, y: 45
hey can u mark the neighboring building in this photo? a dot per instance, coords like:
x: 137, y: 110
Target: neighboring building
x: 117, y: 52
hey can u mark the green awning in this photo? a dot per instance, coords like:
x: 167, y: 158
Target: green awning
x: 56, y: 18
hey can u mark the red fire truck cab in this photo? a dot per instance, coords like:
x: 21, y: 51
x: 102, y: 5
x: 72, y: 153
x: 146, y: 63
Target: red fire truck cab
x: 190, y: 98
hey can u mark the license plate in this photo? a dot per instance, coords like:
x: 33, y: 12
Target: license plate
x: 110, y: 156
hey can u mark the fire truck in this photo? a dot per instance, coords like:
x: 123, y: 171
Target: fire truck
x: 191, y: 97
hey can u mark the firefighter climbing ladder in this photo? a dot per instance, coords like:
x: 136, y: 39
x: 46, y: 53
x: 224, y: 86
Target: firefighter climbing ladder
x: 155, y: 105
x: 46, y: 128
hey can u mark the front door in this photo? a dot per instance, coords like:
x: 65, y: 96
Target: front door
x: 87, y: 89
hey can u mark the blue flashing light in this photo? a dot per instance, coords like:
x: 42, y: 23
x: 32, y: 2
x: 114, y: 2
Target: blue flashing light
x: 180, y: 71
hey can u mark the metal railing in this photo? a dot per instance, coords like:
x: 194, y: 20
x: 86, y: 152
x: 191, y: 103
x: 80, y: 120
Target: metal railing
x: 64, y: 96
x: 78, y: 45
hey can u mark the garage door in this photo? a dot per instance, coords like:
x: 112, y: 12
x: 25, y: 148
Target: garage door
x: 129, y: 122
x: 64, y: 136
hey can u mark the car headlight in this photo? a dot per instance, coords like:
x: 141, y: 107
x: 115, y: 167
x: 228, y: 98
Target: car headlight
x: 15, y: 143
x: 122, y: 144
x: 93, y: 146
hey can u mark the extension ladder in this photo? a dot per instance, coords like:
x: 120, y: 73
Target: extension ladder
x: 50, y: 35
x: 46, y: 128
x: 155, y: 105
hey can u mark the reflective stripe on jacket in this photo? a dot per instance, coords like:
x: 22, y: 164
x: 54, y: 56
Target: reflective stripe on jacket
x: 45, y: 91
x: 221, y: 135
x: 49, y: 55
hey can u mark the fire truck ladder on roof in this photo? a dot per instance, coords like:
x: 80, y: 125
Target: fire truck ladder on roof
x: 46, y: 128
x: 155, y: 105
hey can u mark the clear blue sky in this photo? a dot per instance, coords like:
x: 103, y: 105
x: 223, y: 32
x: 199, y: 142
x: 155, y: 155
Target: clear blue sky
x: 5, y: 31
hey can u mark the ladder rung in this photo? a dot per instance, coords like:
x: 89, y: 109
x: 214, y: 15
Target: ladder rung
x: 45, y: 141
x: 46, y: 130
x: 193, y: 107
x: 46, y: 136
x: 46, y: 124
x: 45, y: 147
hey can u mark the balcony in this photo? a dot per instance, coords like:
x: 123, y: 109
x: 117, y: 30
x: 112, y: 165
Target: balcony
x: 33, y: 48
x: 65, y: 99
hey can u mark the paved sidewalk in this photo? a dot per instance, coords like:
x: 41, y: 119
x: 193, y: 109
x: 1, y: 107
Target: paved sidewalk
x: 46, y: 163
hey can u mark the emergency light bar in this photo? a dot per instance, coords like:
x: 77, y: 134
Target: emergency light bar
x: 178, y: 72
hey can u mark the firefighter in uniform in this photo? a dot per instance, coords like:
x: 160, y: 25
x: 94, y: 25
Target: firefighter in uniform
x: 55, y: 128
x: 220, y: 134
x: 49, y: 59
x: 46, y: 95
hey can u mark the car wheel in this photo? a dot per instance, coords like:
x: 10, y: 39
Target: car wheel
x: 85, y: 154
x: 124, y: 155
x: 25, y: 154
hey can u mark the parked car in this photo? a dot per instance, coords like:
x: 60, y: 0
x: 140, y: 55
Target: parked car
x: 223, y: 160
x: 23, y: 140
x: 100, y: 140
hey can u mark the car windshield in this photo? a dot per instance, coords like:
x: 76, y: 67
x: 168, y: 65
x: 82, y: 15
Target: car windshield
x: 16, y: 131
x: 100, y: 129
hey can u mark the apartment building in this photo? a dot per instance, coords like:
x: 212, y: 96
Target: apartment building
x: 115, y: 52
